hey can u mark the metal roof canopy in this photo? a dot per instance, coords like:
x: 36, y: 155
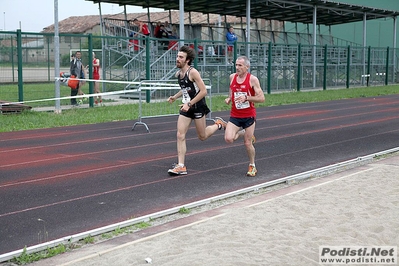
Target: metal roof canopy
x: 328, y: 13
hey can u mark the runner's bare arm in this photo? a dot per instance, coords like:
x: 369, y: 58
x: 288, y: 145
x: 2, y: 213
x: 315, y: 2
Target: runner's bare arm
x: 173, y: 98
x: 259, y: 96
x: 228, y: 99
x: 196, y: 77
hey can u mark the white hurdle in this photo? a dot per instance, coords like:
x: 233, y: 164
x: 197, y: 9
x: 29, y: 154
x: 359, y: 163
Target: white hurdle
x: 153, y: 99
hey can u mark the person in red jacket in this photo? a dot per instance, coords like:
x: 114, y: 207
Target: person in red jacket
x: 143, y: 29
x: 157, y: 27
x: 245, y: 90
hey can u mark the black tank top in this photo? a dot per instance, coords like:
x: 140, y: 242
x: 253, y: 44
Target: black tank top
x: 190, y: 89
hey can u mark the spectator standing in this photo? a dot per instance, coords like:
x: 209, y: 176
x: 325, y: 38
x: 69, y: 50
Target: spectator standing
x: 168, y: 27
x: 133, y: 43
x: 162, y: 34
x: 157, y: 27
x: 174, y: 34
x: 231, y: 38
x: 78, y: 70
x: 96, y: 76
x: 244, y: 91
x: 143, y: 29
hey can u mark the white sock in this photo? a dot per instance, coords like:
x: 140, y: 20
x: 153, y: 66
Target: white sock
x: 181, y: 164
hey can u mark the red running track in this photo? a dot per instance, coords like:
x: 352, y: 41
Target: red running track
x: 62, y: 181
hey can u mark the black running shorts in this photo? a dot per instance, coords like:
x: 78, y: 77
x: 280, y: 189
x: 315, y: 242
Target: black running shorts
x: 243, y: 122
x: 196, y: 112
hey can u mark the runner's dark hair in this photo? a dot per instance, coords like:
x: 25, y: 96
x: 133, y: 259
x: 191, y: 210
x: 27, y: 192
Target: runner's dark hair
x: 190, y: 53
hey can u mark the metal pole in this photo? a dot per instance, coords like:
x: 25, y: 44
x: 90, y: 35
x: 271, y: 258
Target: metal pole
x: 102, y: 47
x: 196, y: 51
x: 394, y: 51
x: 49, y: 77
x: 364, y: 45
x: 12, y: 60
x: 299, y: 76
x: 325, y: 68
x: 368, y: 65
x: 314, y: 44
x: 91, y: 84
x: 181, y: 22
x: 20, y: 77
x: 56, y: 58
x: 348, y: 63
x: 248, y: 27
x: 387, y: 67
x: 147, y: 67
x: 269, y: 68
x: 126, y: 22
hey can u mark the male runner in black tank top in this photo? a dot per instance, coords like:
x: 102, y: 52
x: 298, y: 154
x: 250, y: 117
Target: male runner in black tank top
x: 194, y: 107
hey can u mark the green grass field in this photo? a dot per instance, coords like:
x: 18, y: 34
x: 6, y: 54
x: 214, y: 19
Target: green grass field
x: 34, y: 120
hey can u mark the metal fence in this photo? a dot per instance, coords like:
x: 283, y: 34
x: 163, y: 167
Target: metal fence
x: 27, y: 63
x: 159, y: 92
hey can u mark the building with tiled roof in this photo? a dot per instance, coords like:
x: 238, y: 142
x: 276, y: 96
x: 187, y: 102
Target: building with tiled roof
x: 91, y: 23
x: 74, y: 30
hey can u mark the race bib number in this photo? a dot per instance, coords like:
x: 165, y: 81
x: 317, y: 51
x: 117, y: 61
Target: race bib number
x: 240, y: 105
x: 185, y: 96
